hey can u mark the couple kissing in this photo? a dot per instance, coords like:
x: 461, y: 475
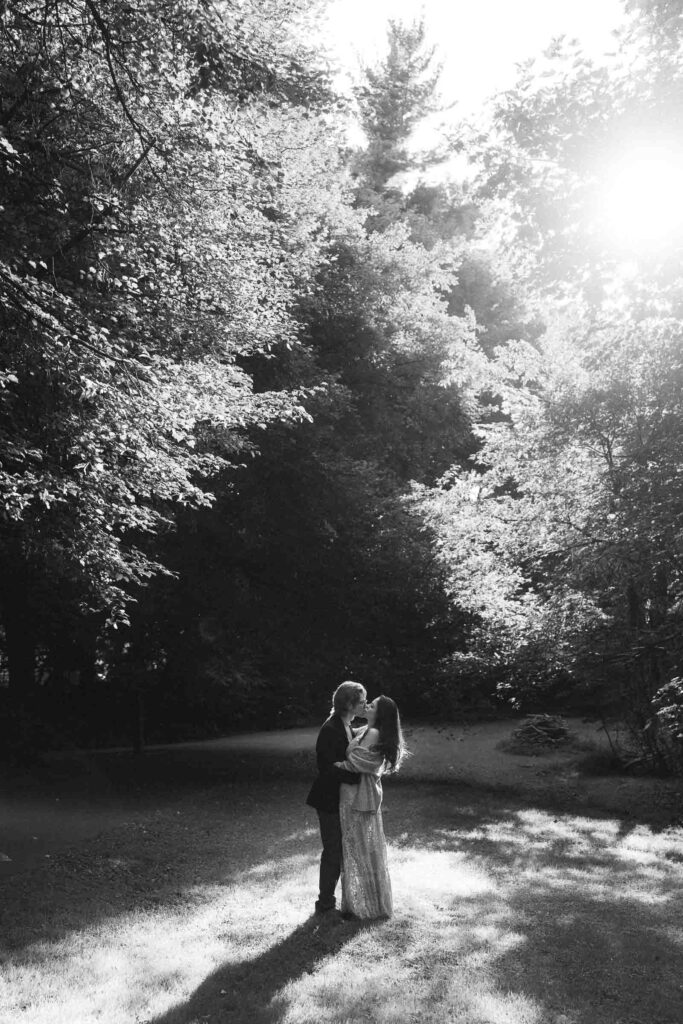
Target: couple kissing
x: 347, y: 795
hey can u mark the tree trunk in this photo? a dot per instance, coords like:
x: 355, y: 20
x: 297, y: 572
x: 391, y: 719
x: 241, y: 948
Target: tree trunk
x: 139, y: 724
x: 88, y: 687
x: 20, y: 642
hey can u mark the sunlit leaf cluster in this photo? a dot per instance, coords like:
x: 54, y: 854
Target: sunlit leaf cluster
x: 164, y: 173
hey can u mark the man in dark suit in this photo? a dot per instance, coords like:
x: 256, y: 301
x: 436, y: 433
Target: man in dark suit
x: 348, y: 701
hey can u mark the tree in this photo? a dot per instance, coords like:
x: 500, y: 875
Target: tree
x: 312, y: 567
x: 563, y: 543
x: 550, y: 157
x: 393, y: 99
x: 158, y: 220
x: 659, y: 19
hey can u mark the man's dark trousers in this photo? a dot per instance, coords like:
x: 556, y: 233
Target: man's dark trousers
x: 330, y: 748
x: 331, y: 858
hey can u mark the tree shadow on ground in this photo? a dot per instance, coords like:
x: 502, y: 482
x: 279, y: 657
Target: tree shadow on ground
x: 581, y: 916
x: 609, y: 962
x: 659, y: 811
x: 154, y: 859
x: 244, y: 991
x: 565, y: 960
x: 231, y: 807
x: 567, y: 911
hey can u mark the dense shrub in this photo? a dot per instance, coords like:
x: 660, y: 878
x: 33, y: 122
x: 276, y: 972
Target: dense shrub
x: 665, y: 727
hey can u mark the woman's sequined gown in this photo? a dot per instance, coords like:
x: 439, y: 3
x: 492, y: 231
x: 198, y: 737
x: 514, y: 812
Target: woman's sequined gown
x: 366, y: 886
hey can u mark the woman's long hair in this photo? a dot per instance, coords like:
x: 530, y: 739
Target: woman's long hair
x: 390, y: 740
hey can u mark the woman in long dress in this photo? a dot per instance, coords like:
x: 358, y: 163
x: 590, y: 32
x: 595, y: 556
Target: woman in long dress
x: 374, y: 751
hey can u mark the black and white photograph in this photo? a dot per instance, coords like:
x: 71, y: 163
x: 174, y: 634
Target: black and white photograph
x: 341, y: 512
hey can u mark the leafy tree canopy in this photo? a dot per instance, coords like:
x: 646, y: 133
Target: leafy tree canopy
x: 160, y: 171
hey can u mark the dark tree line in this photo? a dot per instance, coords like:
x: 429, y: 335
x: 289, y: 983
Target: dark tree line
x: 220, y: 371
x: 275, y: 411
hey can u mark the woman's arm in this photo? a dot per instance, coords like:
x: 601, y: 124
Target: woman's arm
x: 364, y: 760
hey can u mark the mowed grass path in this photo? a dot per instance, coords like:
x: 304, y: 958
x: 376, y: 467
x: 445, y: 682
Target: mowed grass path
x: 198, y: 909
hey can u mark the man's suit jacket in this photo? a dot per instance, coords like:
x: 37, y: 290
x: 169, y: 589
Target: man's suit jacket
x: 330, y: 747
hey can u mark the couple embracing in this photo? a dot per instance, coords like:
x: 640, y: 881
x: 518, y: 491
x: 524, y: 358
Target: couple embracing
x: 347, y: 794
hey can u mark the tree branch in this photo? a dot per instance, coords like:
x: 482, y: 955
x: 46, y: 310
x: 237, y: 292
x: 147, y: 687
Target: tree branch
x: 46, y: 316
x: 84, y: 232
x: 140, y: 130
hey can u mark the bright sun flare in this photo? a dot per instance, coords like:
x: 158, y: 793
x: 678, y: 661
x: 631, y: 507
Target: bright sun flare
x: 643, y: 198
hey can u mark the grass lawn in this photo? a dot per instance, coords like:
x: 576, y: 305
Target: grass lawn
x: 198, y: 909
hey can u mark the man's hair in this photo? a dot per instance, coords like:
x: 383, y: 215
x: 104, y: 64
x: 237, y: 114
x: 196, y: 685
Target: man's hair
x: 346, y: 696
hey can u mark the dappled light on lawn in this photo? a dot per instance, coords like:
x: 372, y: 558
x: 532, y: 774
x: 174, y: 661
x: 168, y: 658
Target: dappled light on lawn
x: 434, y: 961
x: 146, y: 962
x: 421, y: 873
x: 502, y: 916
x: 594, y: 856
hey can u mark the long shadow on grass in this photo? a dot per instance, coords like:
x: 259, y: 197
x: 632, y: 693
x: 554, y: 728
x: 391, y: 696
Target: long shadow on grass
x: 244, y: 991
x: 567, y: 910
x: 210, y: 814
